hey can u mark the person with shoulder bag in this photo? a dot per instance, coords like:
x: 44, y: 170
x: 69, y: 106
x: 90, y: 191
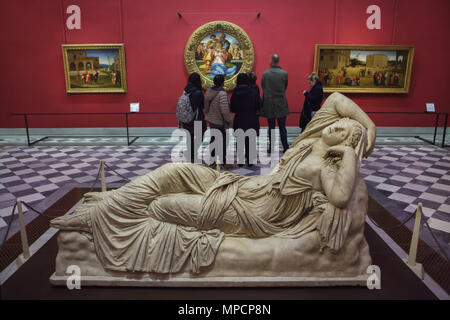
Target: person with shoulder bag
x: 218, y: 115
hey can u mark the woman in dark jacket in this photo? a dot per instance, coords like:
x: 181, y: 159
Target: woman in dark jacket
x: 252, y: 77
x: 194, y: 89
x: 245, y: 105
x: 313, y: 100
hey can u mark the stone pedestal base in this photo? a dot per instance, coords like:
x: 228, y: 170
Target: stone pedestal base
x: 214, y: 282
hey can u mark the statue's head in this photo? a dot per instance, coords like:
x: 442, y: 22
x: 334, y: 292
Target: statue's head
x: 344, y: 131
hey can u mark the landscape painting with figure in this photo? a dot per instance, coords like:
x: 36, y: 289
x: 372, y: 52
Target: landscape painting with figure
x: 363, y: 69
x: 94, y: 69
x: 219, y: 54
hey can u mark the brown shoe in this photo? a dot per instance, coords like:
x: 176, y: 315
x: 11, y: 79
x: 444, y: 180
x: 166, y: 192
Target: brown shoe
x: 227, y: 166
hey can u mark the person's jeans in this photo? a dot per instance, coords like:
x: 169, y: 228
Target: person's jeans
x: 247, y: 159
x: 192, y: 153
x: 283, y: 133
x: 224, y: 145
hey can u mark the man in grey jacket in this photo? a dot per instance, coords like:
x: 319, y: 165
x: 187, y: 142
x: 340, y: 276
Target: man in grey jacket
x: 275, y: 107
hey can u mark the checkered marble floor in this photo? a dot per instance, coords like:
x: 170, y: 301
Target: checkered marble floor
x: 404, y: 174
x: 407, y: 175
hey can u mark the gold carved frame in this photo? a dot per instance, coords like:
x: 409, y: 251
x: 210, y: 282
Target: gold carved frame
x: 219, y: 26
x: 407, y: 77
x: 122, y: 69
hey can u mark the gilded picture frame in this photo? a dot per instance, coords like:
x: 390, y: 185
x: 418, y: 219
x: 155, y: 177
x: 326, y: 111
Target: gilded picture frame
x: 364, y: 68
x: 219, y: 47
x: 94, y: 68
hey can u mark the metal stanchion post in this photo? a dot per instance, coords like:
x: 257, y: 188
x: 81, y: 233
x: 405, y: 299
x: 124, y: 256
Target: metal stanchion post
x: 436, y: 123
x: 26, y: 127
x: 102, y: 175
x: 23, y: 234
x: 445, y: 130
x: 411, y: 260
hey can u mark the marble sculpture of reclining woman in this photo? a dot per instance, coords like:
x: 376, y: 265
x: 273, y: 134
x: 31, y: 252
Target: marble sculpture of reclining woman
x: 177, y: 215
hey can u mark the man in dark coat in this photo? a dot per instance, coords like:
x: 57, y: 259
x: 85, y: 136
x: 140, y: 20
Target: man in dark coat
x: 275, y: 107
x: 245, y: 104
x: 257, y: 95
x: 313, y: 100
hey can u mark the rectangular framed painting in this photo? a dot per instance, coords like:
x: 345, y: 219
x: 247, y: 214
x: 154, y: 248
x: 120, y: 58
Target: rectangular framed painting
x: 364, y: 69
x: 94, y: 68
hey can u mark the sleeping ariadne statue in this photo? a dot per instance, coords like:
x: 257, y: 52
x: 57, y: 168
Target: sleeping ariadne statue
x: 186, y: 221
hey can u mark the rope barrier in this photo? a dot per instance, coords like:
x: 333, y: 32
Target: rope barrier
x: 435, y: 240
x: 11, y: 217
x: 38, y: 212
x: 94, y: 183
x: 403, y: 223
x: 96, y: 179
x: 123, y: 177
x: 391, y: 227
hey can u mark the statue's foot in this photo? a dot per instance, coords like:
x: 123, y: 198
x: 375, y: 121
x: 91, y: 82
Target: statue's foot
x: 74, y: 222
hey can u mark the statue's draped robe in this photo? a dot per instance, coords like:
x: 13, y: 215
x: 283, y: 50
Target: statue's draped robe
x: 143, y: 227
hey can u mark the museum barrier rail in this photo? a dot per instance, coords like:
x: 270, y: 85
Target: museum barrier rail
x: 127, y: 114
x: 436, y: 124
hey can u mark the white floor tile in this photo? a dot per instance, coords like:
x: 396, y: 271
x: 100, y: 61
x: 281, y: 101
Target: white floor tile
x: 32, y: 197
x: 427, y: 178
x: 402, y: 198
x: 414, y: 186
x: 439, y: 224
x: 401, y: 178
x: 375, y: 179
x: 432, y: 197
x: 441, y: 187
x: 445, y: 208
x: 47, y: 187
x: 387, y: 187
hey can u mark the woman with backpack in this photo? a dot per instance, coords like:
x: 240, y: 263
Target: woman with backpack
x: 218, y: 115
x: 191, y: 111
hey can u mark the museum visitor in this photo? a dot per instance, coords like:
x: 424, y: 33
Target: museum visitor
x: 255, y: 88
x: 218, y: 116
x: 313, y: 100
x: 274, y: 83
x: 244, y: 104
x: 194, y: 90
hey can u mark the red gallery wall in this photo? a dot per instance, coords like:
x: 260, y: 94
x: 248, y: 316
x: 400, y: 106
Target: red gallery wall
x: 32, y: 73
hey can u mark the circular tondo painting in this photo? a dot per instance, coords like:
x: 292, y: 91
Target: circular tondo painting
x: 219, y: 48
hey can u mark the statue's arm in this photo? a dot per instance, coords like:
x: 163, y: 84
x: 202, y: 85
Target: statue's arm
x: 345, y: 107
x: 339, y: 184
